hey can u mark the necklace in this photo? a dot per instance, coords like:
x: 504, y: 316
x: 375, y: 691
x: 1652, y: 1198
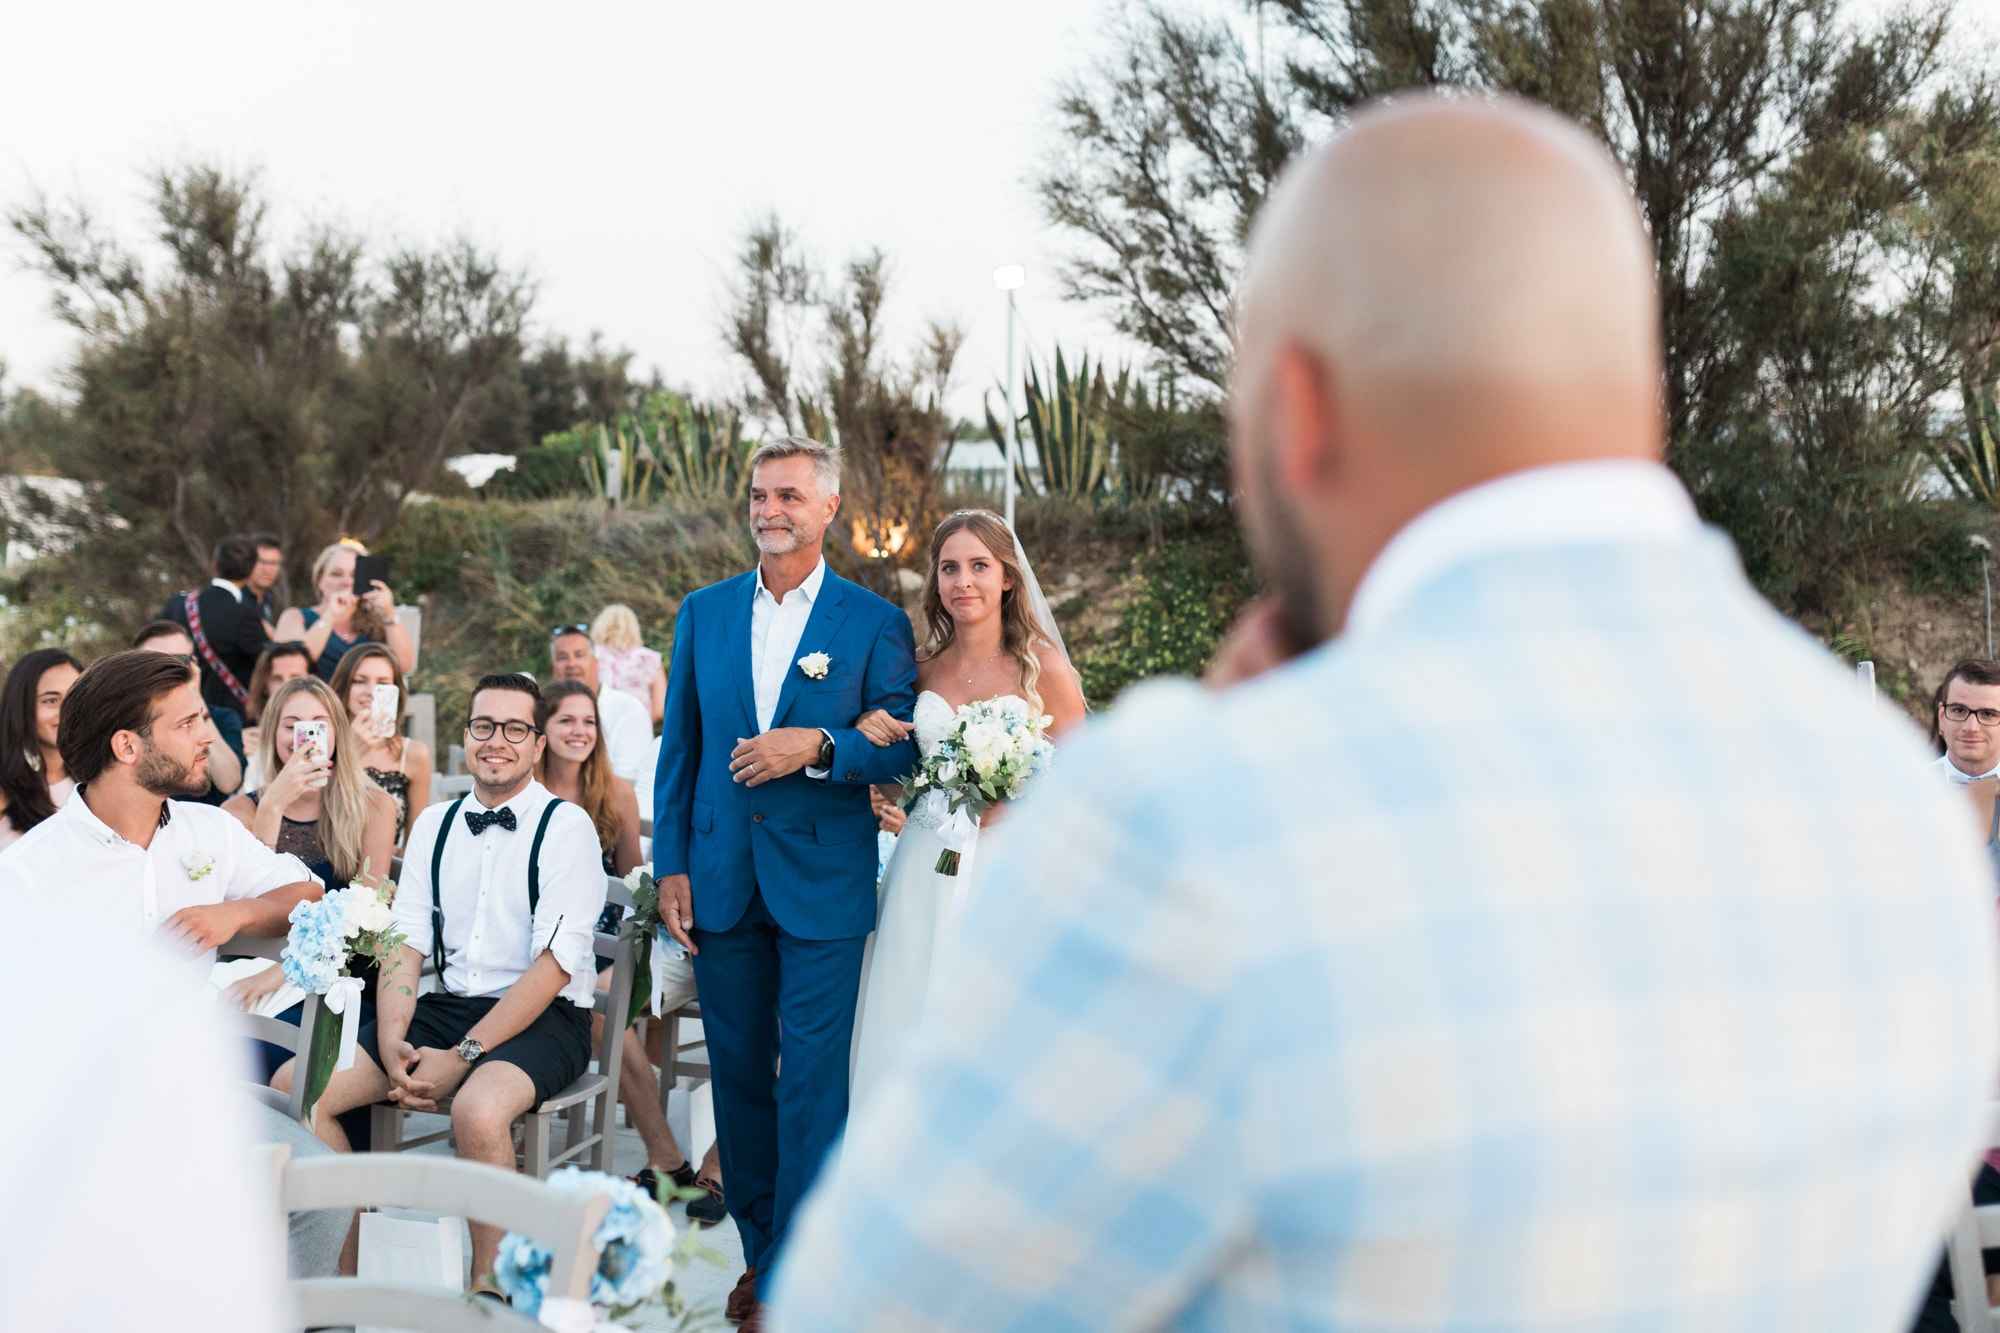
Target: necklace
x: 975, y: 666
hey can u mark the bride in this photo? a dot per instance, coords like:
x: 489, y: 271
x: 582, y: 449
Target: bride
x: 988, y: 634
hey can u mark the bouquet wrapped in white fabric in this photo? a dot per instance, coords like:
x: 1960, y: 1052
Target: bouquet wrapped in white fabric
x: 994, y: 748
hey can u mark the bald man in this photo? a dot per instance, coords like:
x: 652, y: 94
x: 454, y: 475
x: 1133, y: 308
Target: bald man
x: 1525, y: 930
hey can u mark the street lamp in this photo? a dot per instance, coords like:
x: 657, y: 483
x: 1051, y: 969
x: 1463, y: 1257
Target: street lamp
x: 1009, y: 279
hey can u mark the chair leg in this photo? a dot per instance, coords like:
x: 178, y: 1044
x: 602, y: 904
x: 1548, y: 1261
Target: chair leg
x: 606, y: 1105
x: 385, y: 1127
x: 535, y: 1144
x: 670, y: 1042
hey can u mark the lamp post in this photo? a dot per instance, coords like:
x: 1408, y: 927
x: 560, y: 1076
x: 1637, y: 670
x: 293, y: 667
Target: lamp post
x: 1008, y: 278
x: 1985, y: 549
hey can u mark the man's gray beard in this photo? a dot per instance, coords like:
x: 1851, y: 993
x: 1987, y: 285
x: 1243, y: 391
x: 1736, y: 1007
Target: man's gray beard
x: 163, y: 776
x: 794, y: 537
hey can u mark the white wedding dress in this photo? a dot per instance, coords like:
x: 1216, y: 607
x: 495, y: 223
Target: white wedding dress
x: 917, y: 909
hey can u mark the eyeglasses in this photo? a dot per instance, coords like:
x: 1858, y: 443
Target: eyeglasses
x: 482, y: 729
x: 1988, y: 717
x: 558, y: 631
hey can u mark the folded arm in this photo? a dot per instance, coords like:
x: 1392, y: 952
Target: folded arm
x: 889, y: 683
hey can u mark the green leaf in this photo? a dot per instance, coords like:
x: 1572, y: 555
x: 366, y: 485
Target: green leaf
x: 323, y: 1055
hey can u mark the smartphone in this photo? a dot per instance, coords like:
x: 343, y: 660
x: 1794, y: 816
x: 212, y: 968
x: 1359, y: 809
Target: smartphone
x: 309, y: 737
x: 370, y: 570
x: 385, y: 709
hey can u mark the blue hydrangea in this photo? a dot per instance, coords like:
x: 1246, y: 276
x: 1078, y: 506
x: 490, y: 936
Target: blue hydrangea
x: 315, y: 952
x: 634, y: 1245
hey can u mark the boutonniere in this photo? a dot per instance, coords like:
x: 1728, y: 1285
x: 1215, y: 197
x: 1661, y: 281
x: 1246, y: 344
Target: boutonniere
x: 815, y: 665
x: 199, y: 865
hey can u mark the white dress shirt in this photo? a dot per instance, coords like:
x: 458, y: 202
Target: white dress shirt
x: 1956, y: 774
x: 627, y: 726
x: 489, y: 941
x: 233, y: 589
x: 1563, y: 505
x: 201, y: 857
x: 775, y: 630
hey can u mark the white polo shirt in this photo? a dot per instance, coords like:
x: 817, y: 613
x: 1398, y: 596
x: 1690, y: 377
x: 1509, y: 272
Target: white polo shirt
x: 199, y: 857
x: 627, y: 725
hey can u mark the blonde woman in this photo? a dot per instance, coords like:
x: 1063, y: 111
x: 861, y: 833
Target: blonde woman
x: 342, y: 619
x: 624, y: 662
x: 400, y: 765
x: 319, y: 806
x: 987, y: 635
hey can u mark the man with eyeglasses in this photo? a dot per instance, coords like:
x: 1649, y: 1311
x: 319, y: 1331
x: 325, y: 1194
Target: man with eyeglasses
x: 500, y: 889
x: 1968, y: 721
x: 623, y: 721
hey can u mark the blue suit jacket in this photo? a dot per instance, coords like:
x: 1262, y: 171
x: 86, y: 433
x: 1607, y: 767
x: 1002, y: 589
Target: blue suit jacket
x: 807, y: 844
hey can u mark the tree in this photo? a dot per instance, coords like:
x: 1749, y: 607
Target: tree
x: 1818, y: 192
x: 232, y: 387
x: 814, y: 349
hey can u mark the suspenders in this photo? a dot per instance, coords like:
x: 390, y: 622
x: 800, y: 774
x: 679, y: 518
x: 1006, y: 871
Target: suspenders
x: 437, y: 883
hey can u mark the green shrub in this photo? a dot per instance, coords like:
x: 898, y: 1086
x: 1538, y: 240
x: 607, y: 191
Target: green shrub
x: 1188, y: 592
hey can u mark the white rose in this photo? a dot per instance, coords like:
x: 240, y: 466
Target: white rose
x: 633, y: 877
x: 947, y: 773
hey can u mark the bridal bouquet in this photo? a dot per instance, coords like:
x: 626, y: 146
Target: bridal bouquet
x: 994, y: 748
x: 636, y: 1251
x: 329, y: 940
x: 652, y: 945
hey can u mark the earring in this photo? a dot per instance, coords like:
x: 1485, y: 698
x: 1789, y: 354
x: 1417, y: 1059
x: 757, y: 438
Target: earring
x: 34, y: 758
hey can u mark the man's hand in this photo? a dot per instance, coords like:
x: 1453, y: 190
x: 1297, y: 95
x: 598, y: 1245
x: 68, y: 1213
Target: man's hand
x: 250, y: 992
x: 882, y: 730
x: 773, y: 755
x: 1258, y: 642
x: 205, y: 928
x: 677, y: 910
x: 436, y: 1076
x: 402, y: 1060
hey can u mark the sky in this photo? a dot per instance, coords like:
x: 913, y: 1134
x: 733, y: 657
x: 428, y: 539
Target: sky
x: 616, y: 151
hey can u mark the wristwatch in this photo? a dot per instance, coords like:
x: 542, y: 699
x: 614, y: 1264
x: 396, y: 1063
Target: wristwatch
x: 825, y: 759
x: 469, y: 1051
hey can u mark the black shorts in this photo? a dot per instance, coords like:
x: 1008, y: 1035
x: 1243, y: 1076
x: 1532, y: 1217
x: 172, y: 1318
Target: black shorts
x: 553, y: 1051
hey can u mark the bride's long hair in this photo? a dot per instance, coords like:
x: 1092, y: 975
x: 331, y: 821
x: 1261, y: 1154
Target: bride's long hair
x: 1020, y: 631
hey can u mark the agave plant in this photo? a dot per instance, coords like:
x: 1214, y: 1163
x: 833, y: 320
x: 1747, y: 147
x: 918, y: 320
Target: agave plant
x: 699, y: 452
x: 1971, y: 463
x: 1071, y: 428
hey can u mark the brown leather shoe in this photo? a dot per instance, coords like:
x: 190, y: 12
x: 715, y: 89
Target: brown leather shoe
x: 742, y: 1297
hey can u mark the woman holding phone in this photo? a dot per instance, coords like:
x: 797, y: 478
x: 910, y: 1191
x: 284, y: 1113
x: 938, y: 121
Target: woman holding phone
x: 319, y: 806
x: 344, y: 618
x: 370, y: 685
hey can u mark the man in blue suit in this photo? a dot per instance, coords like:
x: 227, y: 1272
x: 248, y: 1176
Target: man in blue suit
x: 763, y: 840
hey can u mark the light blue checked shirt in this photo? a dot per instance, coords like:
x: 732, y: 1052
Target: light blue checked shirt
x: 1570, y: 947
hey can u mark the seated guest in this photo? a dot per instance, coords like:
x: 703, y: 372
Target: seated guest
x: 225, y: 770
x: 628, y: 732
x: 278, y: 663
x: 228, y: 633
x: 320, y: 807
x: 342, y: 618
x: 1968, y: 721
x: 33, y: 781
x: 500, y: 889
x: 400, y: 765
x: 575, y: 769
x: 125, y: 848
x: 624, y: 662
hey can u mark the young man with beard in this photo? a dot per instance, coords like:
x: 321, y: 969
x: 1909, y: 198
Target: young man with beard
x: 501, y: 888
x: 135, y: 735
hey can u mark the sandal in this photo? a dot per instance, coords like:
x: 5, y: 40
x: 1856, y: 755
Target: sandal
x: 709, y: 1209
x: 648, y: 1178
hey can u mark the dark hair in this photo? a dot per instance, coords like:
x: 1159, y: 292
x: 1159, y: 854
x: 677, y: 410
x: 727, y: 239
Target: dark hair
x: 266, y: 541
x: 24, y: 785
x: 1973, y: 671
x: 518, y: 681
x: 235, y: 557
x: 343, y: 684
x: 154, y: 628
x: 260, y: 676
x: 114, y: 694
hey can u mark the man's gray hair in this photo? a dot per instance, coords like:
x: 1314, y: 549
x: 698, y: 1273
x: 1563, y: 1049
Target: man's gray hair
x: 825, y: 458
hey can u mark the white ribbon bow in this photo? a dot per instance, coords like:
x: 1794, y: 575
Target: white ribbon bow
x: 343, y: 997
x: 956, y: 829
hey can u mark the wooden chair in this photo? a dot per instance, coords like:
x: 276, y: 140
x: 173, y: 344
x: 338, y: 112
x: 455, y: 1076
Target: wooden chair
x: 588, y: 1107
x: 563, y: 1223
x: 1975, y: 1229
x: 297, y: 1040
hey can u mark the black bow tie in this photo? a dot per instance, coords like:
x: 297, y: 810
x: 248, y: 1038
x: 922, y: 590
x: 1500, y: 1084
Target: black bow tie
x: 479, y: 823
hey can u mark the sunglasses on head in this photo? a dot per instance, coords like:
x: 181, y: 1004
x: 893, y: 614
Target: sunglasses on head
x: 558, y: 631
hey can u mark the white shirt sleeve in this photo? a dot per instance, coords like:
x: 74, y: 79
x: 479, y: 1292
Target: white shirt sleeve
x: 413, y: 890
x: 572, y: 899
x: 251, y: 867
